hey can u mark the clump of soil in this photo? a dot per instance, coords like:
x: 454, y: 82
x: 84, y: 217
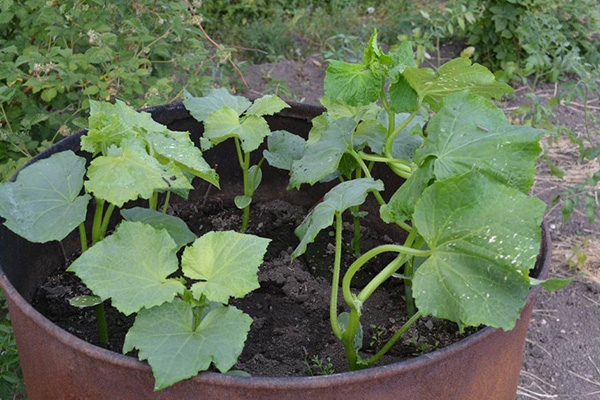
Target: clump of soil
x: 291, y: 308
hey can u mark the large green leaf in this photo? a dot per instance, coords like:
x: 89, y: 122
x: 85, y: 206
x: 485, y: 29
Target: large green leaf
x: 182, y: 151
x: 352, y: 83
x: 337, y: 109
x: 131, y: 267
x: 454, y: 76
x: 469, y: 132
x: 337, y: 200
x: 43, y: 204
x: 267, y: 105
x: 202, y: 107
x: 225, y: 123
x: 226, y: 263
x: 323, y: 156
x: 165, y: 336
x: 130, y: 173
x: 484, y: 238
x: 283, y: 149
x: 175, y: 227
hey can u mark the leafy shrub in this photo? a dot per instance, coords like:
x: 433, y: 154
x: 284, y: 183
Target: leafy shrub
x: 56, y: 56
x: 541, y: 36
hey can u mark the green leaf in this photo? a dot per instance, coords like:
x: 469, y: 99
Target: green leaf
x: 49, y: 94
x: 43, y: 204
x: 225, y: 123
x: 552, y: 284
x: 85, y: 301
x: 254, y: 177
x: 590, y: 208
x: 322, y: 157
x: 242, y: 202
x: 175, y: 227
x: 182, y: 151
x: 469, y: 133
x: 337, y: 109
x: 283, y: 149
x: 454, y: 76
x: 403, y: 57
x: 337, y: 200
x: 267, y: 105
x: 226, y: 263
x: 402, y: 203
x: 352, y: 83
x: 202, y: 107
x: 484, y: 238
x: 130, y: 173
x: 165, y: 336
x: 131, y: 267
x: 403, y: 97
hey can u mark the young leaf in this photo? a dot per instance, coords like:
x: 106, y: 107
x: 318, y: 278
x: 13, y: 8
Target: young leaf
x: 552, y: 284
x: 454, y: 76
x: 242, y: 201
x: 267, y: 105
x: 469, y: 133
x: 43, y: 204
x: 322, y: 157
x: 352, y: 83
x: 175, y: 227
x: 337, y: 109
x: 182, y: 151
x: 343, y: 320
x: 131, y: 267
x: 403, y: 57
x: 255, y: 178
x: 129, y: 173
x: 226, y: 262
x: 340, y: 198
x: 202, y: 107
x: 85, y: 301
x: 225, y: 123
x: 484, y: 238
x: 283, y: 149
x: 165, y: 336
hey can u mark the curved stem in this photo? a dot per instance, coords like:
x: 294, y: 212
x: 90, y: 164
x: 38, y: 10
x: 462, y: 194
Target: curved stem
x: 348, y: 338
x: 393, y: 340
x: 106, y: 219
x: 97, y: 225
x: 403, y: 164
x: 367, y: 173
x: 335, y: 284
x: 389, y: 143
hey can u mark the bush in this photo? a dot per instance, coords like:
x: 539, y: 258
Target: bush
x: 56, y: 56
x: 542, y: 36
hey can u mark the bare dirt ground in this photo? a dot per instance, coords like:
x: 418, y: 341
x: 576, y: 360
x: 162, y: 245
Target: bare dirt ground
x: 562, y: 353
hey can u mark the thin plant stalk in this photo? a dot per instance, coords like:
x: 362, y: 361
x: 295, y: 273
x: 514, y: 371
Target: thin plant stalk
x: 106, y: 219
x: 166, y: 205
x: 101, y: 317
x: 356, y: 218
x: 392, y: 341
x: 97, y: 225
x: 83, y: 238
x: 244, y: 160
x: 335, y: 284
x: 153, y: 201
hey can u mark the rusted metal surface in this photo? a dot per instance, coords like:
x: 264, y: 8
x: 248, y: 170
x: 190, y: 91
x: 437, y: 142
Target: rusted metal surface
x: 57, y: 365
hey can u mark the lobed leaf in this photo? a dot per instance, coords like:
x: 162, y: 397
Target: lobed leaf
x: 165, y: 336
x: 267, y: 105
x: 352, y: 83
x: 225, y: 123
x: 44, y: 204
x: 226, y: 263
x: 201, y: 107
x: 454, y: 76
x: 131, y: 267
x: 283, y: 149
x: 130, y: 173
x: 484, y: 238
x: 337, y: 200
x: 175, y: 227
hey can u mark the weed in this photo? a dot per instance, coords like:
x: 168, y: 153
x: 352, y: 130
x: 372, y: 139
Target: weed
x: 317, y: 366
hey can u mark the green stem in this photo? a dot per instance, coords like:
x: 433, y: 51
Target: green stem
x: 166, y: 205
x: 97, y: 225
x: 102, y: 330
x: 246, y: 167
x: 348, y: 338
x: 408, y: 297
x: 356, y: 220
x: 83, y: 237
x: 335, y: 284
x: 402, y: 164
x: 367, y: 173
x: 393, y: 340
x: 153, y: 201
x: 389, y: 143
x: 106, y: 219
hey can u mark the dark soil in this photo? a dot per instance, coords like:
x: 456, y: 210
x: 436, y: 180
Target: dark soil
x: 291, y: 308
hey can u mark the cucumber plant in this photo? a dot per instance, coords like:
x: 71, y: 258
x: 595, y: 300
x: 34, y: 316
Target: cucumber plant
x: 226, y: 116
x: 472, y: 233
x: 183, y: 321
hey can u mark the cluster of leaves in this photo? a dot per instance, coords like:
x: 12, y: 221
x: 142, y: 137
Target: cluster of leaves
x: 183, y: 324
x: 11, y: 378
x: 541, y: 36
x: 473, y: 233
x: 57, y: 56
